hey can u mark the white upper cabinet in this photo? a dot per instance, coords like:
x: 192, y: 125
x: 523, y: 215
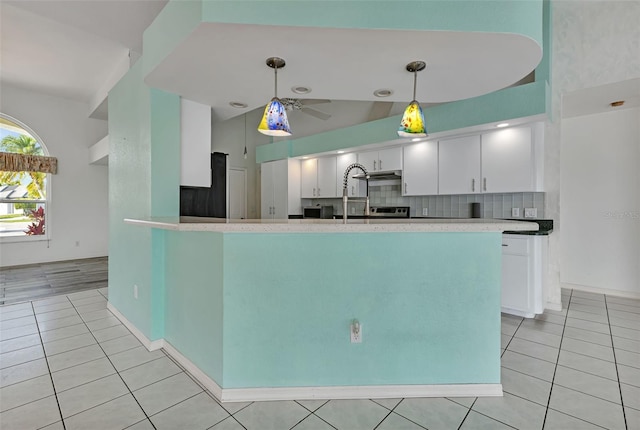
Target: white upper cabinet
x: 309, y: 178
x: 420, y: 173
x: 327, y: 177
x: 195, y: 144
x: 318, y: 177
x: 459, y: 165
x: 384, y: 159
x: 507, y: 161
x: 353, y: 185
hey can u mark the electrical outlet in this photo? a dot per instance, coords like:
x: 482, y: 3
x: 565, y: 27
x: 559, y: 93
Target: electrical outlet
x: 356, y: 332
x: 515, y: 212
x: 135, y: 291
x: 530, y: 212
x: 425, y: 211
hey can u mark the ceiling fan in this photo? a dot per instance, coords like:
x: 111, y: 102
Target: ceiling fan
x: 301, y: 105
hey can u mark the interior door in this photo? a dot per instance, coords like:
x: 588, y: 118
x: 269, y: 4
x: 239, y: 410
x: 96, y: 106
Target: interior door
x: 237, y: 193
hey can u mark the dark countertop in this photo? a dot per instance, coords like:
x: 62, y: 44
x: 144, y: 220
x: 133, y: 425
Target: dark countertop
x: 545, y: 225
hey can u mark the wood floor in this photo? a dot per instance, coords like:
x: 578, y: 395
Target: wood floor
x: 33, y: 281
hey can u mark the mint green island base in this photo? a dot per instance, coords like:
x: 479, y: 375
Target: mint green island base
x: 266, y: 314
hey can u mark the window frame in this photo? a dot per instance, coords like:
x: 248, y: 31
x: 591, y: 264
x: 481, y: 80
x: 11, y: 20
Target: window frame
x: 47, y: 200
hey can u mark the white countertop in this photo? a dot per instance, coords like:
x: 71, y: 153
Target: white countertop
x: 333, y: 226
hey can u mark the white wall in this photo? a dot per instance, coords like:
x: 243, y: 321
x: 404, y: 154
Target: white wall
x: 593, y: 43
x: 79, y: 199
x: 600, y: 237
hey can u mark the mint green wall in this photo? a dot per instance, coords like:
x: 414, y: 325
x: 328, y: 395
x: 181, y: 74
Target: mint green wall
x: 129, y: 197
x: 194, y: 296
x: 501, y: 16
x: 144, y: 149
x: 430, y: 309
x: 273, y: 310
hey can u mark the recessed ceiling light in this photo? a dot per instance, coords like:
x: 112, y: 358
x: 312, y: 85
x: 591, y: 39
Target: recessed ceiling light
x: 305, y: 158
x: 238, y: 105
x: 382, y: 92
x: 299, y: 89
x: 340, y: 152
x: 617, y: 103
x: 502, y: 124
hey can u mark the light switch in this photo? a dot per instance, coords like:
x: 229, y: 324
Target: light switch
x: 530, y: 212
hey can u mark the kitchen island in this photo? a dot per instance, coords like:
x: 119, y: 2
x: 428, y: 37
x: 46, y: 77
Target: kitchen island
x: 262, y: 309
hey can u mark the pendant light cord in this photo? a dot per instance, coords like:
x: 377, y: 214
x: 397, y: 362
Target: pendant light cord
x: 276, y: 79
x: 415, y: 80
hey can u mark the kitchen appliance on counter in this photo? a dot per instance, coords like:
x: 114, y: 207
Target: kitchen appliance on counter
x: 322, y: 212
x: 389, y: 212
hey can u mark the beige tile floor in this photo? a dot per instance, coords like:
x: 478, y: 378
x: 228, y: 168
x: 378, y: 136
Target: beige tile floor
x: 67, y: 363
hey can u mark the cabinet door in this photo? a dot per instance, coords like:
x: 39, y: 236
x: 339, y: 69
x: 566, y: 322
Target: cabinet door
x: 507, y: 161
x: 266, y: 195
x: 309, y: 178
x: 369, y: 160
x: 327, y: 177
x: 280, y: 189
x: 420, y: 174
x: 390, y: 159
x: 459, y: 165
x: 342, y: 162
x: 515, y: 282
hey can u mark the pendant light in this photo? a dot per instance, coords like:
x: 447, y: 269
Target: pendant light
x: 274, y: 120
x: 412, y: 124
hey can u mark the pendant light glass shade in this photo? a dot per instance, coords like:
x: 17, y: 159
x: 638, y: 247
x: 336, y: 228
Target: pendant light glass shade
x: 274, y: 120
x: 412, y: 123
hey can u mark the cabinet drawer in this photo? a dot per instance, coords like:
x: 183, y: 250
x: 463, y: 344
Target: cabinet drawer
x: 515, y: 245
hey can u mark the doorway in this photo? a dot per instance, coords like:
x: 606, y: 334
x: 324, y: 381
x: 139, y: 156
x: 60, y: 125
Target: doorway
x: 237, y: 193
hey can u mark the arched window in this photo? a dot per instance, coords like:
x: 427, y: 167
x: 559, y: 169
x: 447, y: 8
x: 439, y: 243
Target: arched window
x: 24, y: 182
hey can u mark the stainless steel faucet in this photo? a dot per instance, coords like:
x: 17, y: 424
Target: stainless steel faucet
x: 345, y: 191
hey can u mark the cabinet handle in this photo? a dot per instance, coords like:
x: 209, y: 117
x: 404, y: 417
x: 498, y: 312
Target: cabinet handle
x: 504, y: 244
x: 473, y: 184
x: 484, y: 184
x: 405, y: 188
x: 353, y: 190
x: 314, y: 192
x: 380, y: 164
x: 374, y: 164
x: 318, y: 192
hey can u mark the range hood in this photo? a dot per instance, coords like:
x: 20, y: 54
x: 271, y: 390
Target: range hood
x: 385, y: 175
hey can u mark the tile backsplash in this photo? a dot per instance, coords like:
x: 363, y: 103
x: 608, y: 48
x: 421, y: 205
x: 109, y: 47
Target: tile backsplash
x: 448, y: 206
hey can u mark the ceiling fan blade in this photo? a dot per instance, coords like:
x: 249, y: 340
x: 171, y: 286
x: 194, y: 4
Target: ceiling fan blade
x: 379, y: 110
x: 316, y: 113
x: 314, y: 101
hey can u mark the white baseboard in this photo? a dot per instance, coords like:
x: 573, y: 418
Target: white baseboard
x: 607, y: 291
x: 553, y: 306
x: 195, y: 371
x: 359, y: 392
x: 149, y: 344
x: 309, y: 393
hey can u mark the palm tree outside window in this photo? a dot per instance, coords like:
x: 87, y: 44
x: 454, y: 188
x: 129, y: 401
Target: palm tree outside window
x: 23, y: 193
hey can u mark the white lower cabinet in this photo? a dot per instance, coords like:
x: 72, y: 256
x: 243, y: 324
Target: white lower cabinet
x: 523, y: 262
